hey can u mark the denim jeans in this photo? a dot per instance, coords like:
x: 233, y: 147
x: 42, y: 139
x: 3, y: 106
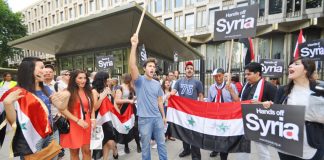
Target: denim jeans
x: 149, y: 126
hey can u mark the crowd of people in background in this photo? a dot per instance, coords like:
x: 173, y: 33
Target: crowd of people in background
x: 82, y: 94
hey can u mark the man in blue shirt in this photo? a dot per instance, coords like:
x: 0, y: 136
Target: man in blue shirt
x: 150, y: 111
x: 190, y: 88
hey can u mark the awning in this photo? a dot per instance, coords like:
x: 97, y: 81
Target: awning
x: 109, y: 28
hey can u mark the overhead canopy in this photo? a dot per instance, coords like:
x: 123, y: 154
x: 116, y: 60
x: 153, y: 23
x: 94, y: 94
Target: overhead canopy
x: 110, y: 28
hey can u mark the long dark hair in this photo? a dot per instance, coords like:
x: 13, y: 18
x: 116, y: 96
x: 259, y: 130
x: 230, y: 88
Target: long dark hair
x: 73, y: 89
x: 99, y: 81
x: 127, y: 79
x: 309, y: 66
x: 163, y: 86
x: 26, y: 77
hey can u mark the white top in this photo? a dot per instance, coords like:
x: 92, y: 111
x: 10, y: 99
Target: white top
x: 300, y: 96
x: 61, y: 85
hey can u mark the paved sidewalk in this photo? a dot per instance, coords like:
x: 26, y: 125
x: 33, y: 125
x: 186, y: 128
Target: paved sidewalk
x: 174, y: 148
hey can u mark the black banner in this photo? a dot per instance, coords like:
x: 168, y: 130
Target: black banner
x: 272, y: 67
x: 142, y: 54
x: 236, y: 23
x: 105, y: 62
x: 312, y: 49
x: 281, y: 126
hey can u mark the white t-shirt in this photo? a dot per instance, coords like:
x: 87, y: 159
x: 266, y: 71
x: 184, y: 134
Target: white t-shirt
x: 300, y: 96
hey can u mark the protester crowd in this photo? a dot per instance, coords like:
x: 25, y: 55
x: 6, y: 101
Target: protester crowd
x: 77, y: 96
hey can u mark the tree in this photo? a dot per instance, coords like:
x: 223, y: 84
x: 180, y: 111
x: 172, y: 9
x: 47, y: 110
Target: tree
x: 11, y: 28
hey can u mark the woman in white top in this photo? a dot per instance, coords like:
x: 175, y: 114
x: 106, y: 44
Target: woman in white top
x: 297, y: 92
x: 166, y: 87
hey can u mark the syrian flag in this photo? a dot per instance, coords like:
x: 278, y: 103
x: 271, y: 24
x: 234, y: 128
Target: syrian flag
x: 32, y: 115
x: 248, y: 50
x: 212, y: 126
x: 300, y: 40
x: 122, y: 124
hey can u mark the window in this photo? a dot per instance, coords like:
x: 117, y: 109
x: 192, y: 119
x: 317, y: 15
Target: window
x: 46, y: 23
x: 80, y: 9
x: 168, y: 5
x: 42, y: 9
x: 264, y: 48
x: 261, y: 8
x: 275, y: 7
x: 212, y: 15
x: 313, y: 4
x: 56, y: 3
x: 70, y: 13
x: 35, y: 13
x: 103, y: 3
x: 169, y: 23
x: 39, y: 25
x: 177, y: 3
x: 92, y: 5
x: 178, y: 21
x: 190, y: 2
x: 53, y: 19
x: 33, y: 27
x: 190, y: 22
x: 29, y: 15
x: 291, y: 4
x: 201, y: 18
x: 61, y: 15
x: 49, y: 6
x: 158, y: 6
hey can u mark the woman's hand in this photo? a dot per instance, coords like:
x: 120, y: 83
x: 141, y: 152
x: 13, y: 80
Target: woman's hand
x: 12, y: 97
x: 82, y: 124
x: 267, y: 104
x: 93, y: 123
x: 104, y: 93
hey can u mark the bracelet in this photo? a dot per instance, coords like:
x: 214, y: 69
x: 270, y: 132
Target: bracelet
x: 92, y: 119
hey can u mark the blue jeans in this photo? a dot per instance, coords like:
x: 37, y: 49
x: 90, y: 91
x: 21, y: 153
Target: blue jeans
x: 149, y: 126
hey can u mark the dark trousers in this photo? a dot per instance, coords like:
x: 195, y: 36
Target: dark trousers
x: 195, y: 151
x: 319, y: 155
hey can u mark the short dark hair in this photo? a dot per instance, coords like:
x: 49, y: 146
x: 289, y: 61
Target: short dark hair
x: 150, y: 60
x: 49, y: 66
x: 254, y: 67
x: 5, y: 74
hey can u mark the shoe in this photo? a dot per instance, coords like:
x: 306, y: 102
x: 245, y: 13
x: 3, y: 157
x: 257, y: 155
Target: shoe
x: 184, y: 153
x: 213, y: 154
x: 126, y: 150
x: 139, y: 149
x: 171, y: 138
x: 115, y: 156
x: 154, y: 146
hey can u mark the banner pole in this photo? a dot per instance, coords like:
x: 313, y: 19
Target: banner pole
x: 230, y: 63
x: 141, y: 19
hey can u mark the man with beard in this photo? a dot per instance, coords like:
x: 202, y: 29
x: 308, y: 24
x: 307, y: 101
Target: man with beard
x: 258, y: 89
x: 190, y: 88
x: 150, y: 111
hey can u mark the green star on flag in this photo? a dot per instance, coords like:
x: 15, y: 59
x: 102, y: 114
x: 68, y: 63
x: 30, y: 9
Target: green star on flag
x: 127, y: 128
x: 23, y: 126
x: 222, y: 128
x: 191, y: 121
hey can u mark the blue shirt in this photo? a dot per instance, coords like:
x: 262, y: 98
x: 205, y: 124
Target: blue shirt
x: 41, y: 95
x: 189, y: 88
x: 147, y: 92
x: 212, y: 93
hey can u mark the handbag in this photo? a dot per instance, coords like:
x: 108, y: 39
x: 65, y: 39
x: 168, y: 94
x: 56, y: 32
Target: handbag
x: 315, y: 132
x: 46, y: 153
x: 62, y: 124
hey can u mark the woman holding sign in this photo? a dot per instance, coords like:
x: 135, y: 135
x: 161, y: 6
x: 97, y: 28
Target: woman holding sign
x: 297, y: 92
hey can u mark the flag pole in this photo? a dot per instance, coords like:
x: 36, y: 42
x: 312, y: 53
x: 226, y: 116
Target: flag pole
x: 230, y: 63
x: 141, y: 19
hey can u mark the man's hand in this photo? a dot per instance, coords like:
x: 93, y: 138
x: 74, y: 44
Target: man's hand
x: 134, y: 40
x: 165, y: 121
x: 13, y: 96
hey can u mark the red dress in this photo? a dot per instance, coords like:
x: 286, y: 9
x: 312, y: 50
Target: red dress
x: 77, y: 137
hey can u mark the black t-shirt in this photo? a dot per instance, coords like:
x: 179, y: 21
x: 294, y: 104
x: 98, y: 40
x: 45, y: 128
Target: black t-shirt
x: 269, y: 92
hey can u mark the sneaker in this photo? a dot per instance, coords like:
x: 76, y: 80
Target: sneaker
x: 154, y: 146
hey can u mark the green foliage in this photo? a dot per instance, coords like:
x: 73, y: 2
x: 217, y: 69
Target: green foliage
x: 11, y: 28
